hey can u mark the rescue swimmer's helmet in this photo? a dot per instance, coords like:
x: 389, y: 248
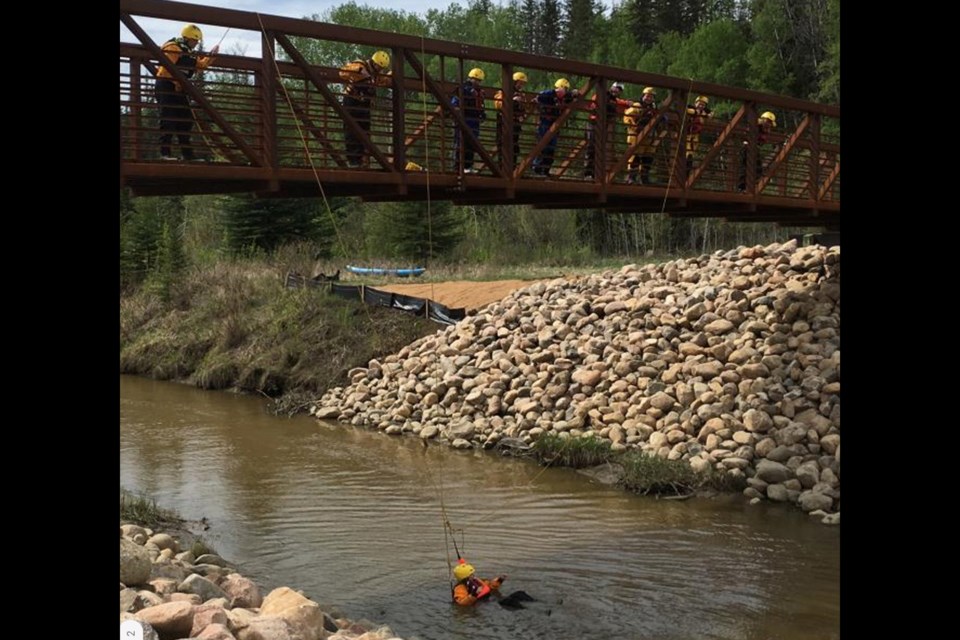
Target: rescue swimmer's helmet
x: 616, y: 86
x: 477, y: 74
x: 649, y: 90
x: 702, y: 99
x: 562, y: 83
x: 191, y: 31
x: 463, y: 570
x: 769, y: 115
x: 381, y: 59
x: 520, y: 76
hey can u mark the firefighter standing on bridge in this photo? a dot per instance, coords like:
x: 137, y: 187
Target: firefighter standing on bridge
x: 552, y: 103
x: 362, y: 77
x: 615, y: 106
x: 175, y: 113
x: 521, y: 108
x: 469, y: 100
x: 697, y: 114
x: 638, y: 116
x: 765, y: 125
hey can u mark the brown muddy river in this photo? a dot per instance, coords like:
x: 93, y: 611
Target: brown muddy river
x: 354, y: 519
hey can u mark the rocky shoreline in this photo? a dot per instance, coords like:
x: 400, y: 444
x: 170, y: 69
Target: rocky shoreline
x: 173, y: 594
x: 728, y: 361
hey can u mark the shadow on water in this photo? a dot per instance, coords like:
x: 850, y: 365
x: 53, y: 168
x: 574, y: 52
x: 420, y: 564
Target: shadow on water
x: 354, y: 518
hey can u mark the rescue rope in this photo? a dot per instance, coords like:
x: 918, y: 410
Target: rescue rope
x: 221, y: 38
x: 449, y: 533
x: 426, y: 151
x: 681, y: 141
x: 309, y: 155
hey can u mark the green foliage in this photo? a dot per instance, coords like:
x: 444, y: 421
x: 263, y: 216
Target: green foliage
x: 715, y: 52
x: 660, y: 56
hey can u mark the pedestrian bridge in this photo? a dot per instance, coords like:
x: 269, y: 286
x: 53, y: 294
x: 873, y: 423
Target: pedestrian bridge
x: 274, y: 125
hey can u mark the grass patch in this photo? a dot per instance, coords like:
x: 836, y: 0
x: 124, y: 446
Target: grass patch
x: 576, y: 453
x: 139, y: 509
x: 646, y: 474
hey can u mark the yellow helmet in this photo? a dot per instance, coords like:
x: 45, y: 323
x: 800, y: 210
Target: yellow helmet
x: 463, y: 570
x: 769, y: 115
x: 649, y: 90
x: 477, y: 74
x: 562, y: 83
x: 520, y: 76
x: 381, y: 59
x: 191, y: 31
x: 702, y: 99
x: 413, y: 166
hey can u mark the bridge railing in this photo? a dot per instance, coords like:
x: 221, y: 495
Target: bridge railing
x: 283, y: 111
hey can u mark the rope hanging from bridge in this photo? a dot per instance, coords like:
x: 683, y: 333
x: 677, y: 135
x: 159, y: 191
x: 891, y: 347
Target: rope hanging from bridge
x: 676, y: 154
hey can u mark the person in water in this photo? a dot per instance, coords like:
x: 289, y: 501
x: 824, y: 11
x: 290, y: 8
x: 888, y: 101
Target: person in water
x: 469, y: 588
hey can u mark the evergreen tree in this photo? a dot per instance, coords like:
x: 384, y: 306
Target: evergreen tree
x: 829, y: 68
x: 548, y: 33
x: 579, y: 33
x: 150, y: 227
x: 789, y: 45
x: 530, y: 18
x: 409, y: 231
x: 267, y: 223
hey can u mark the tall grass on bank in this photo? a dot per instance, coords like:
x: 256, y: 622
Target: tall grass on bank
x: 139, y: 509
x: 234, y: 325
x: 641, y: 473
x: 572, y: 452
x: 646, y: 474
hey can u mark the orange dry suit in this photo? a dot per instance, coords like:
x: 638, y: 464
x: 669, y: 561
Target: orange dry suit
x: 472, y: 589
x: 636, y: 118
x: 697, y: 116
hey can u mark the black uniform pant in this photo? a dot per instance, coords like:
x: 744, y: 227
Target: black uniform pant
x: 501, y: 131
x: 175, y: 118
x: 359, y: 110
x: 590, y: 153
x: 758, y: 172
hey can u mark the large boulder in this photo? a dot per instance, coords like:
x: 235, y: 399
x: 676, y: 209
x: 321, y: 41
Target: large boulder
x: 134, y: 563
x: 171, y: 619
x: 302, y: 614
x: 241, y: 592
x: 202, y: 587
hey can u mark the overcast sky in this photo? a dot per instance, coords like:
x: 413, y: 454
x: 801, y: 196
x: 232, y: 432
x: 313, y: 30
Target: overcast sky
x: 249, y: 42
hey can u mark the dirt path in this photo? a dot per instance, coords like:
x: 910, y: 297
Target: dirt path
x: 459, y: 293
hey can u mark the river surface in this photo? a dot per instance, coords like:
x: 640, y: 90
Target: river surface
x: 354, y: 518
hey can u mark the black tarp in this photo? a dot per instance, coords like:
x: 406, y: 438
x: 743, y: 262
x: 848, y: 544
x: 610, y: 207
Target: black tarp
x: 417, y: 306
